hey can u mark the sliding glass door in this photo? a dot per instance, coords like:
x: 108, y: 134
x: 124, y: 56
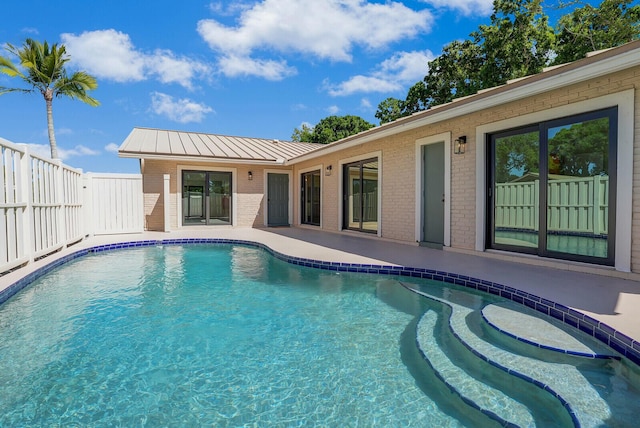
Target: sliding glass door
x: 360, y: 194
x: 552, y: 188
x: 206, y: 198
x: 310, y: 210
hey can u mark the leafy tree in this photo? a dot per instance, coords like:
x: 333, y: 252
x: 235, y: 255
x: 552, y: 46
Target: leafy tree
x: 334, y: 128
x: 455, y: 73
x: 588, y: 29
x: 518, y: 42
x: 389, y: 110
x: 302, y: 134
x: 44, y: 72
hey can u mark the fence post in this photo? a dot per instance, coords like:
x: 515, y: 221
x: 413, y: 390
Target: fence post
x: 90, y: 225
x: 165, y: 200
x: 27, y: 190
x: 58, y: 202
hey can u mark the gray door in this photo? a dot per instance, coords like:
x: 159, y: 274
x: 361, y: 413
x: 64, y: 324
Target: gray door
x: 277, y: 199
x: 433, y: 199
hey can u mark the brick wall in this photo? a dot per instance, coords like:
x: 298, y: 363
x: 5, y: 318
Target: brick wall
x: 249, y: 194
x: 398, y: 164
x: 398, y: 174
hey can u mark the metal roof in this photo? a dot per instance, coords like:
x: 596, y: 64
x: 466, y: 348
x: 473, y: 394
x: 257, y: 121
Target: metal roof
x: 164, y: 144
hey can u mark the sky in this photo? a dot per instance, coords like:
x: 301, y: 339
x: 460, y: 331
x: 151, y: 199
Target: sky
x: 241, y: 68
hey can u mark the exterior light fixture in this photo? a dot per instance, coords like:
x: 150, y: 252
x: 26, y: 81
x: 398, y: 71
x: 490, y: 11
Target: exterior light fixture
x: 327, y: 170
x: 461, y: 145
x: 250, y: 176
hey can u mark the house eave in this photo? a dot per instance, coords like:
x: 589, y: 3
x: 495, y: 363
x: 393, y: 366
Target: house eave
x: 201, y: 159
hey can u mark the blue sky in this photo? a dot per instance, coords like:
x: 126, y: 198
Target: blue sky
x: 244, y: 68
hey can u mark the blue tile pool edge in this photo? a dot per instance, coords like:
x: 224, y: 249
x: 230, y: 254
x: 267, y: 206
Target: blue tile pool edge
x: 616, y: 340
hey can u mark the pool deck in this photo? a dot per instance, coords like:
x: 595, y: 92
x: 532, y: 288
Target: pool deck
x: 612, y: 300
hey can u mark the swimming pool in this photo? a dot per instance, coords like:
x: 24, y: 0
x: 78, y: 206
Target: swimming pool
x: 228, y: 335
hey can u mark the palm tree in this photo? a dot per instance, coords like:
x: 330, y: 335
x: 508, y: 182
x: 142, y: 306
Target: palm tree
x: 44, y: 71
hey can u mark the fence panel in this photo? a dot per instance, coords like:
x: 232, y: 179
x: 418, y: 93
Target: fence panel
x: 46, y: 206
x: 43, y: 207
x: 117, y: 203
x: 73, y: 207
x: 13, y: 207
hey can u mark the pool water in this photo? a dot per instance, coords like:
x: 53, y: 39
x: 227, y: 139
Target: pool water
x: 219, y: 335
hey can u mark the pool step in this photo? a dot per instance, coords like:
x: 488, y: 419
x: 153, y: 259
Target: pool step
x: 564, y: 382
x: 525, y: 325
x: 490, y: 401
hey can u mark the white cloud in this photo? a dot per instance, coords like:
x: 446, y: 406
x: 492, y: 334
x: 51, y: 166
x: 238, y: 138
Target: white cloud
x: 78, y: 150
x: 112, y: 148
x: 179, y: 110
x: 58, y: 131
x: 332, y: 110
x: 44, y: 150
x: 393, y: 74
x: 466, y: 7
x: 110, y: 54
x: 234, y: 66
x: 326, y: 29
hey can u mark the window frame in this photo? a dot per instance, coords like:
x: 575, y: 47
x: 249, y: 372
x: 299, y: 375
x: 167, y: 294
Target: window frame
x: 543, y: 127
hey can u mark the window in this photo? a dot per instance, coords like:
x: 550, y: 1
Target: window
x: 310, y: 209
x: 360, y: 193
x: 552, y: 188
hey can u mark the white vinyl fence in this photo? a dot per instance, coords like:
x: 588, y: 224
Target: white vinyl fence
x: 42, y: 209
x: 115, y: 203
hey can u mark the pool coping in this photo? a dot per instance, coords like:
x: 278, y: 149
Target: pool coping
x: 599, y: 330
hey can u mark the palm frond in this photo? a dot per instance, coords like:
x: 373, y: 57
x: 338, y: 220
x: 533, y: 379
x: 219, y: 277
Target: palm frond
x: 5, y: 90
x: 77, y: 87
x: 9, y: 68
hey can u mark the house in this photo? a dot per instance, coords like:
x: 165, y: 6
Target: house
x: 539, y: 170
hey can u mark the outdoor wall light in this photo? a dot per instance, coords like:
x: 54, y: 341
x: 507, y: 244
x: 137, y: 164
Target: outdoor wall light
x: 327, y: 170
x: 250, y: 175
x: 461, y: 144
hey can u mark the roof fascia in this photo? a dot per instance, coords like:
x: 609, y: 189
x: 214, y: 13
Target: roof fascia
x: 199, y: 159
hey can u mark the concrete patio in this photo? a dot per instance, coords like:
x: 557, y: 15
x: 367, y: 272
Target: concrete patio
x: 612, y: 300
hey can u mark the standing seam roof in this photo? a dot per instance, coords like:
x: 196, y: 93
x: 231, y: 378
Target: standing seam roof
x: 158, y: 142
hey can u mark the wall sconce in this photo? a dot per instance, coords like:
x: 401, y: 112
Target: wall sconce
x: 327, y: 170
x: 461, y: 144
x: 250, y: 176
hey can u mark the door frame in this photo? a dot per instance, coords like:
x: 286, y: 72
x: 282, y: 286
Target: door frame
x: 625, y: 101
x: 234, y: 191
x: 265, y: 192
x: 341, y: 163
x: 445, y: 138
x: 298, y: 186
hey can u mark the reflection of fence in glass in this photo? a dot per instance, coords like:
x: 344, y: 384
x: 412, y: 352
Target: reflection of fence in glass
x: 219, y: 206
x: 193, y: 205
x: 575, y: 206
x: 369, y: 207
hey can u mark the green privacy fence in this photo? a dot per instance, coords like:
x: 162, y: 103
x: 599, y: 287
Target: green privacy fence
x: 574, y: 205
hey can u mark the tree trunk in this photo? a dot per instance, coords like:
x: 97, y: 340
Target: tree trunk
x: 48, y: 97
